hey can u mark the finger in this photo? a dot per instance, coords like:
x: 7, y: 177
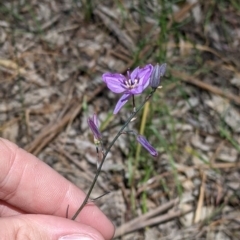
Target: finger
x: 7, y: 210
x: 32, y: 186
x: 45, y: 227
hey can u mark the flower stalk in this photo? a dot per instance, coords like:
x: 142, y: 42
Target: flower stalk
x: 85, y: 201
x: 134, y: 84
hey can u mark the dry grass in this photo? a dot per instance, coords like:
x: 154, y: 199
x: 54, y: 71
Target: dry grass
x: 52, y: 55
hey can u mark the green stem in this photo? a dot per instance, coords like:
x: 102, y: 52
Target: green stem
x: 107, y: 151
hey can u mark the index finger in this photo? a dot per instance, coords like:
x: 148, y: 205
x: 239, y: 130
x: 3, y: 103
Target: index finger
x: 31, y: 185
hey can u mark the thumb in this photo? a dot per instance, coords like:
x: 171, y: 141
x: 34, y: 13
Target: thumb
x: 31, y: 226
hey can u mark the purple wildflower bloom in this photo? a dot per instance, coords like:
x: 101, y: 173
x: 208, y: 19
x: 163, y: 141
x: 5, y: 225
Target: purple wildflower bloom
x: 143, y: 141
x: 133, y: 84
x: 94, y: 126
x: 158, y: 72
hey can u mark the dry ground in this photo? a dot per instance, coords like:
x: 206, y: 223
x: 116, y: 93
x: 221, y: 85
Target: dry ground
x: 52, y: 55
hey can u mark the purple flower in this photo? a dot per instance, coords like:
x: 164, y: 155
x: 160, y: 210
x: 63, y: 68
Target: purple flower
x: 133, y: 84
x: 94, y: 126
x: 143, y: 141
x: 158, y: 72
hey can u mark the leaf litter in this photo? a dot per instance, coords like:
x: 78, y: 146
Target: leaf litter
x: 52, y: 57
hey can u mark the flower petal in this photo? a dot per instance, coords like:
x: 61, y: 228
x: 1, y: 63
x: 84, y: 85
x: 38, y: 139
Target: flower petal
x: 144, y: 75
x: 114, y: 81
x: 134, y: 74
x: 124, y: 98
x: 137, y: 90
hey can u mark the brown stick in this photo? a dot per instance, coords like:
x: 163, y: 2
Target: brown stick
x: 113, y: 27
x: 149, y: 222
x: 50, y: 131
x: 126, y: 227
x: 206, y: 86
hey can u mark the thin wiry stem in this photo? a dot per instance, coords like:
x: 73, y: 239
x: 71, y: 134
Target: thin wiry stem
x: 133, y: 102
x: 107, y: 151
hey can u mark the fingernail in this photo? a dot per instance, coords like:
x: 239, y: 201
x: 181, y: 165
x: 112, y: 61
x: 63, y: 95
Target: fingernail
x: 77, y: 237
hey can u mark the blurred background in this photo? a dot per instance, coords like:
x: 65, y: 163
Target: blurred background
x: 52, y: 56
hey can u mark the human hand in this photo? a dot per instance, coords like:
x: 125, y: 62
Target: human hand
x: 34, y: 199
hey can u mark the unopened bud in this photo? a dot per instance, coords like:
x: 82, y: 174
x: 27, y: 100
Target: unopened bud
x: 93, y: 125
x: 144, y: 142
x: 158, y: 72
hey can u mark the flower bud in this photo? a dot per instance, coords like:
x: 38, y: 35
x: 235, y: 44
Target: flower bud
x: 158, y: 72
x: 93, y: 125
x: 143, y: 141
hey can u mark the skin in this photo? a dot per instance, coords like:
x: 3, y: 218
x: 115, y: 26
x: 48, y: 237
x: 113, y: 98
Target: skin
x: 34, y: 199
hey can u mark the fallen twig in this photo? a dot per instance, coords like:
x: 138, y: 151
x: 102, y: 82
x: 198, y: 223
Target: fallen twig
x: 113, y: 27
x: 192, y: 80
x: 148, y: 220
x: 50, y: 131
